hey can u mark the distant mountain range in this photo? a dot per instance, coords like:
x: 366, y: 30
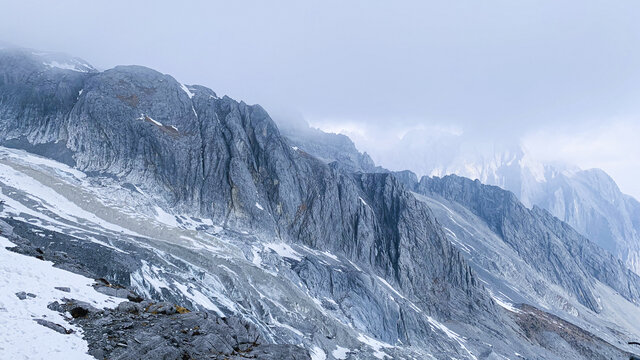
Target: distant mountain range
x: 589, y: 200
x: 203, y: 204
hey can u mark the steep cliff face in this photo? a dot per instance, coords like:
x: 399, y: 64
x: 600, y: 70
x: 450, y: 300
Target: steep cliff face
x: 591, y: 202
x: 588, y: 200
x: 377, y: 222
x: 227, y: 161
x: 543, y: 241
x: 37, y: 96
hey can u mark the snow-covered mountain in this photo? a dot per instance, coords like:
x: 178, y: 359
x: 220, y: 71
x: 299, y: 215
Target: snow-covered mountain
x: 280, y: 247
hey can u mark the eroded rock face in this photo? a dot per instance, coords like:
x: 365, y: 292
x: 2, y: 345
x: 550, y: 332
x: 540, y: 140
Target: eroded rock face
x: 388, y: 271
x: 227, y: 161
x: 591, y: 202
x: 543, y: 241
x: 149, y: 330
x: 36, y: 99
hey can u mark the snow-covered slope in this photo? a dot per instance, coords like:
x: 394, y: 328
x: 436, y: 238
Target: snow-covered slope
x: 21, y: 337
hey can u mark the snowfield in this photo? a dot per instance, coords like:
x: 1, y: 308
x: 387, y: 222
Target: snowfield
x: 20, y: 336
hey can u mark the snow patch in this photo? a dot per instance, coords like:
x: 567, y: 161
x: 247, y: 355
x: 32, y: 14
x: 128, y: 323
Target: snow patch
x: 506, y: 305
x: 187, y: 91
x: 144, y: 117
x: 376, y: 345
x: 145, y: 280
x: 102, y: 243
x: 165, y: 218
x: 503, y: 303
x: 330, y: 255
x: 354, y: 265
x: 52, y: 200
x: 318, y: 354
x: 31, y: 159
x: 284, y: 250
x: 256, y: 260
x: 390, y: 287
x: 450, y: 334
x: 340, y: 353
x: 20, y: 336
x: 288, y: 327
x: 454, y: 238
x: 65, y: 66
x: 199, y: 298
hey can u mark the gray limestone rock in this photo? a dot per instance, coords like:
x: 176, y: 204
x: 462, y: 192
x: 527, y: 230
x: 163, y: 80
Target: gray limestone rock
x: 123, y: 334
x: 130, y: 307
x: 218, y: 158
x: 546, y: 243
x: 395, y: 275
x: 53, y: 326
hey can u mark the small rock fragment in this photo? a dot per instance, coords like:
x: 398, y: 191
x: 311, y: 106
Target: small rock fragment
x: 134, y: 297
x: 53, y: 326
x: 56, y: 306
x: 129, y: 307
x: 162, y: 308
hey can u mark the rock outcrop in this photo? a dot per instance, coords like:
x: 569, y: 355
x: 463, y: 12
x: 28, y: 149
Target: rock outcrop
x: 227, y: 161
x: 542, y: 240
x: 149, y: 330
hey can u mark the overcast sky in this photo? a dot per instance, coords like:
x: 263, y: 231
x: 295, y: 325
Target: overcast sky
x: 562, y: 76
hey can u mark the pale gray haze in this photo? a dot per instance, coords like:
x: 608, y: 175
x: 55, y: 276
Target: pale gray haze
x: 560, y: 77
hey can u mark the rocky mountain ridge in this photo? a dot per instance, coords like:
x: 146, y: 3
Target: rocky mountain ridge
x: 199, y: 198
x: 544, y: 241
x: 588, y: 200
x: 226, y: 159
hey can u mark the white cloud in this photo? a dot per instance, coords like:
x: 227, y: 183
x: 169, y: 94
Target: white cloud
x: 613, y: 147
x: 384, y: 139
